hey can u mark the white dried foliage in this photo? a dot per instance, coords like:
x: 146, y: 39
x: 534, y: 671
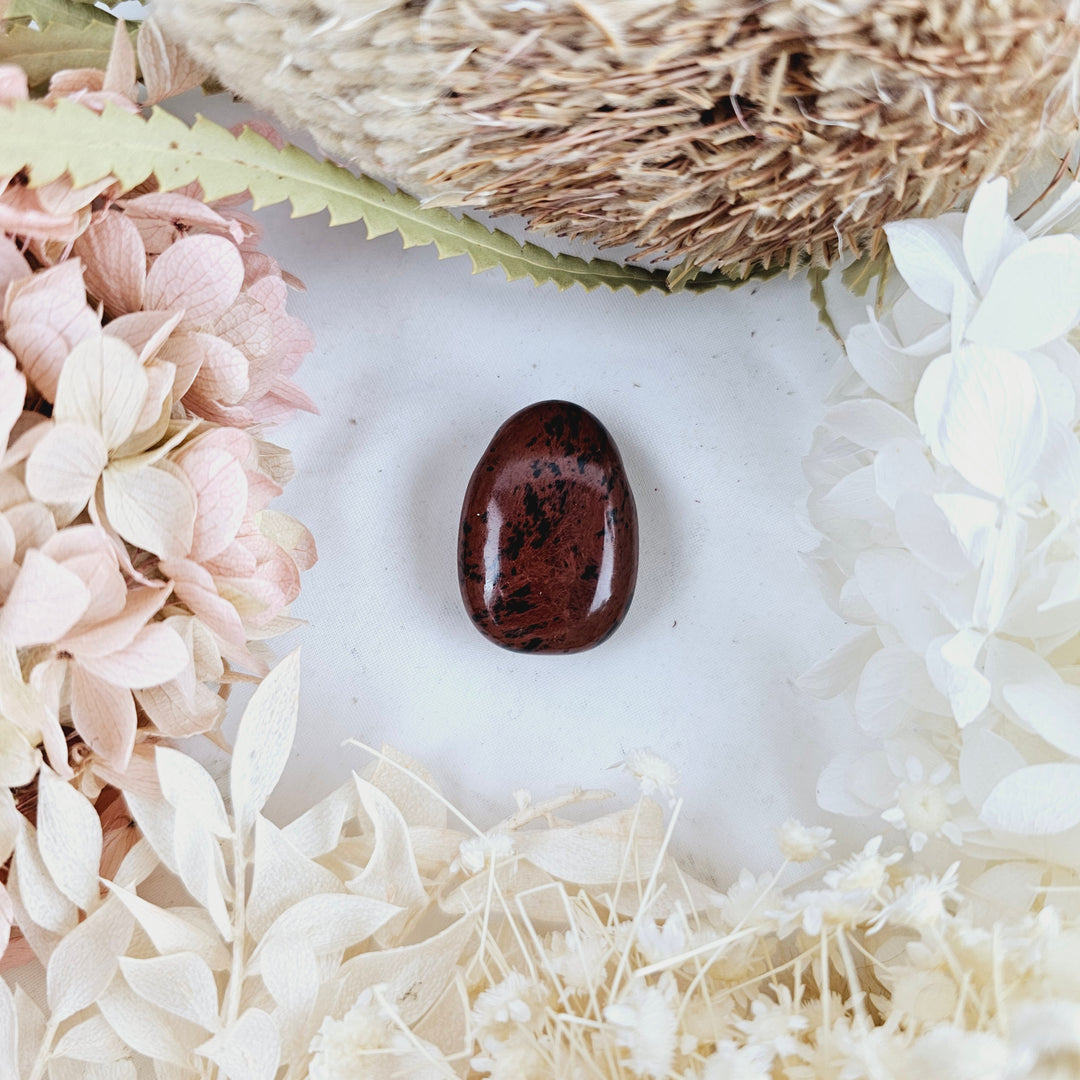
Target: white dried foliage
x: 946, y: 484
x: 382, y: 936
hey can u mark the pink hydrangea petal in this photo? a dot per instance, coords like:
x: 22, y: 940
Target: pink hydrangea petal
x: 45, y: 602
x: 12, y: 396
x: 221, y: 495
x: 114, y: 262
x: 113, y: 635
x: 139, y: 776
x: 155, y: 656
x: 46, y: 316
x: 166, y: 68
x: 208, y: 409
x: 104, y: 715
x: 59, y: 197
x: 234, y: 561
x: 196, y: 588
x: 13, y: 264
x: 13, y: 84
x: 223, y: 375
x: 100, y: 573
x: 201, y: 274
x: 30, y: 220
x: 164, y: 217
x: 248, y: 326
x: 261, y: 491
x: 120, y: 70
x: 79, y: 540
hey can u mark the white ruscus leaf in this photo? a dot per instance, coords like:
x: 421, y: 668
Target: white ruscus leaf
x: 83, y: 963
x: 191, y: 790
x: 69, y: 838
x: 181, y: 983
x: 264, y: 740
x: 248, y: 1050
x: 9, y: 1032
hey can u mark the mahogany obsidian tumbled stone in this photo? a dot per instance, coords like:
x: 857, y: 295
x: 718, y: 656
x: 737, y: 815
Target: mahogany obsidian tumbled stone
x: 548, y: 543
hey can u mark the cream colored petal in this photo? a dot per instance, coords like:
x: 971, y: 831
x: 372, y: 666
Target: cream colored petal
x: 151, y: 507
x: 140, y: 606
x: 103, y: 385
x: 66, y: 464
x: 104, y: 715
x: 144, y: 331
x: 291, y: 535
x: 32, y: 524
x: 45, y: 602
x: 172, y: 714
x: 47, y: 683
x: 101, y: 575
x: 155, y: 656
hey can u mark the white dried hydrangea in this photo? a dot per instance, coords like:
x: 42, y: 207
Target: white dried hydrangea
x: 946, y: 486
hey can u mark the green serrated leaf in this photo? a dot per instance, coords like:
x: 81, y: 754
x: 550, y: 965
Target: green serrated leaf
x: 66, y: 34
x: 816, y: 276
x: 70, y: 139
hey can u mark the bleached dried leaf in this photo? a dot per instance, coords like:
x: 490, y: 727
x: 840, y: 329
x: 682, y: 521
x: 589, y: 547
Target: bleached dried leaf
x: 1037, y: 800
x: 328, y: 923
x: 247, y: 1050
x: 156, y: 820
x: 391, y: 873
x: 411, y: 788
x: 413, y: 976
x: 201, y: 868
x: 83, y: 963
x: 282, y: 877
x: 44, y: 902
x: 147, y: 1029
x: 9, y: 1032
x: 180, y: 983
x: 31, y: 1030
x: 171, y: 933
x: 192, y: 791
x: 595, y: 852
x: 69, y: 838
x: 1050, y: 708
x: 317, y: 830
x: 93, y: 1040
x: 930, y: 258
x: 264, y: 739
x: 63, y: 1069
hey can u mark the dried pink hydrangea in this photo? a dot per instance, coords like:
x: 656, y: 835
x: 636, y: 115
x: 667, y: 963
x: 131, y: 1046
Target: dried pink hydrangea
x: 145, y: 344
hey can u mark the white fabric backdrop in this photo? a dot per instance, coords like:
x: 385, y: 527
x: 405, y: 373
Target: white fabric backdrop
x: 712, y: 401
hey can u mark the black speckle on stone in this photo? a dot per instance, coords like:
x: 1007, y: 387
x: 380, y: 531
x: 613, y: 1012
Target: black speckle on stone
x: 590, y: 573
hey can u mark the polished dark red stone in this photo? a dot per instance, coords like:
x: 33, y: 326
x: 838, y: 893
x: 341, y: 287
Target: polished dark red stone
x: 548, y: 542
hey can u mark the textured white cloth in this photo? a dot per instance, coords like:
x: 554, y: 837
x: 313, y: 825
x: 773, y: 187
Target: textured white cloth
x: 711, y: 400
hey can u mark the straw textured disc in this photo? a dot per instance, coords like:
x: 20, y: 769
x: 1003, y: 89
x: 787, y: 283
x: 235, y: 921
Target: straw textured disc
x: 735, y: 133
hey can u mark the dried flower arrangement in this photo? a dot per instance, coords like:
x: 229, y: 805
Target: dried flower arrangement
x: 945, y: 480
x: 738, y: 134
x: 146, y: 347
x: 381, y: 934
